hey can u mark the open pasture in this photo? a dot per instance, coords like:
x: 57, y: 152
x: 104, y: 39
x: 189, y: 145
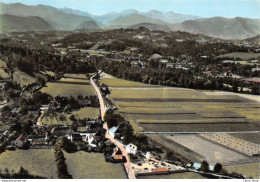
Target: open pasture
x: 39, y: 162
x: 69, y: 87
x: 86, y: 112
x: 22, y: 78
x: 75, y: 76
x: 116, y: 82
x: 83, y: 165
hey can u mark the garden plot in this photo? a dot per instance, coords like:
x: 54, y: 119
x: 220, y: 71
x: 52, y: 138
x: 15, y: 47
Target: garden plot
x: 83, y: 165
x: 39, y: 162
x: 238, y: 144
x: 211, y: 152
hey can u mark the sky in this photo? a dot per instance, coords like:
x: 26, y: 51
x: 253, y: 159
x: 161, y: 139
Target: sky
x: 202, y: 8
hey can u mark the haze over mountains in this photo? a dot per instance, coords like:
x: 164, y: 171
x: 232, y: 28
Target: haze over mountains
x: 45, y: 18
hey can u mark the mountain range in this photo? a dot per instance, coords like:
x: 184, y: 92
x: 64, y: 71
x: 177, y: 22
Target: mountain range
x: 44, y: 18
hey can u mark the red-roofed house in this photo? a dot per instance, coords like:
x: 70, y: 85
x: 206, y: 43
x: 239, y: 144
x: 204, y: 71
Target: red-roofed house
x: 20, y: 142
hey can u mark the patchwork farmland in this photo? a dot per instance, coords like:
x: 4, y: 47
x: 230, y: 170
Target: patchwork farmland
x: 152, y: 108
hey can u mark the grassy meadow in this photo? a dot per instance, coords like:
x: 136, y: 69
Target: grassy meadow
x: 83, y: 165
x: 39, y: 162
x: 69, y: 87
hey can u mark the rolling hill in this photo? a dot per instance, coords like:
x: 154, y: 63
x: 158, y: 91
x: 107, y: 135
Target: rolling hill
x: 11, y: 23
x: 57, y: 18
x: 226, y: 28
x: 150, y: 26
x: 89, y: 25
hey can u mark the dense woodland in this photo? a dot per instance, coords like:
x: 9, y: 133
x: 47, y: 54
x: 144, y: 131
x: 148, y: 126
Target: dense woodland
x: 31, y: 59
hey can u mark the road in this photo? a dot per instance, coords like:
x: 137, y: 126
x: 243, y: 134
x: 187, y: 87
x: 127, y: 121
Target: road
x: 127, y: 164
x: 100, y: 98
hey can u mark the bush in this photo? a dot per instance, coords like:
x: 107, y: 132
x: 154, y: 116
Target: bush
x: 217, y: 168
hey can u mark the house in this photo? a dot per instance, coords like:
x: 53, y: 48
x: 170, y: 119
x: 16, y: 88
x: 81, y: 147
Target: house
x: 148, y: 156
x: 100, y: 135
x: 116, y: 131
x: 117, y: 155
x: 75, y: 137
x: 131, y: 148
x: 20, y: 142
x: 92, y: 141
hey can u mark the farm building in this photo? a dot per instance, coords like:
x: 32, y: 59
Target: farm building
x: 159, y: 170
x: 117, y: 155
x: 75, y: 137
x: 20, y: 142
x: 92, y: 141
x: 116, y: 131
x: 131, y: 148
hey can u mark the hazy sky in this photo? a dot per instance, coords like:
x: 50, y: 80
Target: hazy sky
x: 203, y: 8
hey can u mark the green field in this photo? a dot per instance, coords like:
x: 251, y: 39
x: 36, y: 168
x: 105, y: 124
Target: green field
x: 22, y: 78
x: 72, y: 75
x: 86, y: 112
x: 54, y: 120
x: 248, y: 169
x: 69, y: 87
x: 39, y: 162
x: 116, y: 82
x: 83, y: 165
x: 154, y: 105
x: 3, y: 74
x: 186, y: 175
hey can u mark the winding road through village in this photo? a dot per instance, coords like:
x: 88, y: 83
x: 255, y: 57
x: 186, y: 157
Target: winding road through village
x: 127, y: 164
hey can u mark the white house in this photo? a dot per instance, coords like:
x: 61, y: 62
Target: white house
x: 91, y: 140
x: 148, y: 156
x: 20, y: 142
x: 131, y: 148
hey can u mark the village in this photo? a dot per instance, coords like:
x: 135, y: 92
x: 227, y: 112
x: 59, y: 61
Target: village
x: 67, y: 107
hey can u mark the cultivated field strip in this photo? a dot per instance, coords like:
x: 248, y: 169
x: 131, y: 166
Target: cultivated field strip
x: 238, y: 144
x: 211, y: 152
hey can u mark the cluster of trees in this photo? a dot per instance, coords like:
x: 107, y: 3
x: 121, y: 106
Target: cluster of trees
x: 32, y: 59
x: 67, y: 145
x: 173, y: 77
x: 34, y: 103
x: 60, y: 162
x: 21, y: 174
